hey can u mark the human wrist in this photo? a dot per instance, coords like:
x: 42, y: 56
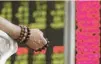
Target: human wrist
x: 24, y: 34
x: 15, y: 31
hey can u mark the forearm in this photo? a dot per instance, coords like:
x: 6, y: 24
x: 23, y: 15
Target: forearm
x: 32, y: 37
x: 9, y: 28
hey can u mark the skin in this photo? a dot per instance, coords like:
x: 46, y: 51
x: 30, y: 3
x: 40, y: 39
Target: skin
x: 36, y: 39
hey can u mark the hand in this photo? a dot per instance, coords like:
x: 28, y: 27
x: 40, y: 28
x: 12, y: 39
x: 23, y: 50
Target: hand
x: 36, y: 39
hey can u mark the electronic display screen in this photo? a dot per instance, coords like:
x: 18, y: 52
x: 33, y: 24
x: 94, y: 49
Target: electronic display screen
x: 45, y: 15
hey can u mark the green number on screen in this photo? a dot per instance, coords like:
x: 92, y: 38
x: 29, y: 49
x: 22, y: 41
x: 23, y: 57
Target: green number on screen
x: 23, y: 13
x: 58, y: 58
x: 21, y: 59
x: 40, y: 16
x: 6, y: 11
x: 58, y: 16
x: 39, y: 59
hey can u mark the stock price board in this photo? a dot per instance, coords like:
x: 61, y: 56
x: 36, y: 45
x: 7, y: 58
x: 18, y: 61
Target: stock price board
x: 45, y: 15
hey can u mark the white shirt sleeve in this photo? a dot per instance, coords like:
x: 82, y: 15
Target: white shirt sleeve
x: 7, y: 47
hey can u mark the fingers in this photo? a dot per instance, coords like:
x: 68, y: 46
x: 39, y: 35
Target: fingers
x: 40, y: 40
x: 37, y: 39
x: 41, y: 43
x: 44, y: 41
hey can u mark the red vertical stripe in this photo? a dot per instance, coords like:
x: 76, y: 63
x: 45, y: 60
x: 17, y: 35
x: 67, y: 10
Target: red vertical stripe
x: 87, y: 32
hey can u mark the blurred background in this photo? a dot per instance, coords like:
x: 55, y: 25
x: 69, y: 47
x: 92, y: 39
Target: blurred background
x: 45, y: 15
x: 81, y: 17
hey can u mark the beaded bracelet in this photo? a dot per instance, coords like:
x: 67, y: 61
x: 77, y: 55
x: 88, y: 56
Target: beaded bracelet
x: 27, y: 37
x: 24, y: 34
x: 21, y: 34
